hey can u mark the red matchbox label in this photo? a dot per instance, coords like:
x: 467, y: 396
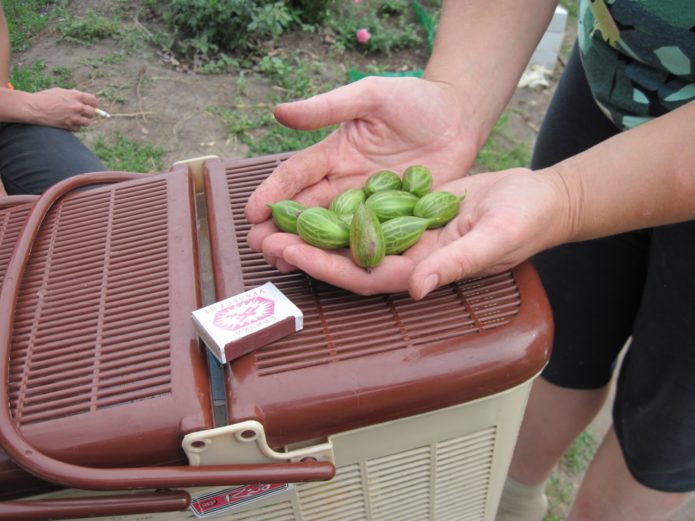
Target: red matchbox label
x: 243, y: 314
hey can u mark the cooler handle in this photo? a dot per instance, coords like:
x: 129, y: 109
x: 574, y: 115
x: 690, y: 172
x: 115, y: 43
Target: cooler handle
x: 53, y: 470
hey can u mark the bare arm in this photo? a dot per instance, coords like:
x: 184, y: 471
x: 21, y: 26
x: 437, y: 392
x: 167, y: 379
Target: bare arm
x: 481, y: 49
x: 4, y: 49
x: 640, y: 178
x: 63, y: 108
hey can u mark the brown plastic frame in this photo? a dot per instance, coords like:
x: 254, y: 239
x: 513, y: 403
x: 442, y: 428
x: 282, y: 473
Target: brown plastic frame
x: 400, y: 383
x: 53, y: 470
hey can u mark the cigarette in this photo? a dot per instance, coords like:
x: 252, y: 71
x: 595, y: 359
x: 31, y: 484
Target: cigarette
x: 102, y: 113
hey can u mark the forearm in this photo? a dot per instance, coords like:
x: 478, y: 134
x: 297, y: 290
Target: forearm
x: 641, y: 178
x: 17, y: 107
x: 4, y: 50
x: 481, y: 49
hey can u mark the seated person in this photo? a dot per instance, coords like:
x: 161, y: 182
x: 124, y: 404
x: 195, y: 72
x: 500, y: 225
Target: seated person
x: 37, y: 144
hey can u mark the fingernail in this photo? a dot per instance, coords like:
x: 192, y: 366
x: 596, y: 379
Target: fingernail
x: 431, y: 282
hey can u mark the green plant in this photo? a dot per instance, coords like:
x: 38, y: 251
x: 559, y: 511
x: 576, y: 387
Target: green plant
x: 223, y: 63
x: 560, y: 492
x: 127, y: 155
x: 271, y: 19
x: 502, y: 151
x: 89, y: 29
x: 578, y: 456
x: 391, y: 25
x: 311, y: 12
x: 25, y: 18
x: 561, y: 487
x: 211, y: 26
x: 114, y: 94
x: 33, y: 78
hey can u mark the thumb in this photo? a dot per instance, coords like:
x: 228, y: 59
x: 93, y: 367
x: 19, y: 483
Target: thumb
x: 476, y: 253
x: 353, y: 101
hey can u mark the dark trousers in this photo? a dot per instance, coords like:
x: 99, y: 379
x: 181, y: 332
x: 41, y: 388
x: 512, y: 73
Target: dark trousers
x: 33, y: 157
x: 639, y: 284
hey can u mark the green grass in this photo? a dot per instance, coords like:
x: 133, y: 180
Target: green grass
x: 560, y: 489
x: 252, y: 123
x: 89, y: 28
x: 578, y: 456
x: 33, y: 78
x: 127, y: 155
x: 25, y: 18
x: 502, y: 151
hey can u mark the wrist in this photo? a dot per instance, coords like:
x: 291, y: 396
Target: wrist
x: 566, y: 204
x: 469, y: 115
x: 30, y: 110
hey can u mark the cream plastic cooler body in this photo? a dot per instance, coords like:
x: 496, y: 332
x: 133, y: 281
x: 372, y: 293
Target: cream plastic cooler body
x: 417, y: 405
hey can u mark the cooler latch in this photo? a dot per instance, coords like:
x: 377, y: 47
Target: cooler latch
x: 245, y: 443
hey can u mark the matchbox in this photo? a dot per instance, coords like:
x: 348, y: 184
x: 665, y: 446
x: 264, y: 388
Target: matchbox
x: 237, y: 325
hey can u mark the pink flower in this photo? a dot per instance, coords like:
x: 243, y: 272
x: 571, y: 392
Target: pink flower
x: 363, y: 35
x: 357, y: 1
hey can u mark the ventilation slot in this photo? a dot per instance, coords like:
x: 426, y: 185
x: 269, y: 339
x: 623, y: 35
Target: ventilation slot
x: 396, y: 320
x: 399, y: 485
x: 277, y: 512
x: 341, y: 499
x: 463, y: 473
x: 91, y: 325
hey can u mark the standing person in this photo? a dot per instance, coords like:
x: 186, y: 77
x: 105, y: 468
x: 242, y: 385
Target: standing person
x: 37, y: 146
x: 608, y: 201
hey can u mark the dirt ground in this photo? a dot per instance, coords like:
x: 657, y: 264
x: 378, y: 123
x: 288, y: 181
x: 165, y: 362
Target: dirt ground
x: 166, y: 105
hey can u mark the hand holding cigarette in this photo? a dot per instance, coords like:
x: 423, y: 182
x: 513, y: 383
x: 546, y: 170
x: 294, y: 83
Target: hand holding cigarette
x: 63, y: 108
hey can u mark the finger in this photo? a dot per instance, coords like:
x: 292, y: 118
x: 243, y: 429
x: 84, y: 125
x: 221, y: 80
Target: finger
x: 81, y: 121
x: 299, y: 171
x: 258, y: 232
x: 279, y: 264
x: 284, y: 267
x: 274, y: 246
x: 476, y: 253
x: 88, y: 111
x: 87, y: 99
x: 353, y: 101
x: 391, y: 276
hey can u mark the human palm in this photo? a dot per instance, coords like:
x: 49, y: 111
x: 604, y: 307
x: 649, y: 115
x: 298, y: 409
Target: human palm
x: 505, y: 218
x: 385, y: 123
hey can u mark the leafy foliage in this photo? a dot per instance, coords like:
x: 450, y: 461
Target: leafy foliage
x: 208, y: 27
x: 88, y: 29
x: 391, y: 24
x: 24, y: 19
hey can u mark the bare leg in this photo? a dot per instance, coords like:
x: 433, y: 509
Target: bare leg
x: 554, y: 417
x: 610, y: 493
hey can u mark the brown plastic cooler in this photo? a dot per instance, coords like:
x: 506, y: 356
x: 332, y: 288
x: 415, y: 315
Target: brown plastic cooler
x: 415, y: 404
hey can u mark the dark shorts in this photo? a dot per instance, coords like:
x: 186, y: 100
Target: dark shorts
x: 33, y: 158
x: 639, y: 284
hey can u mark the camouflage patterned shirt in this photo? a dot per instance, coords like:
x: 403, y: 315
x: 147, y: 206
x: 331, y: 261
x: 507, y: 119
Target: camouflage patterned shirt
x: 638, y: 56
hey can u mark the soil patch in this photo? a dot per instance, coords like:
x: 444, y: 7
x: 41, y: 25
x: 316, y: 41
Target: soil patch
x: 158, y: 101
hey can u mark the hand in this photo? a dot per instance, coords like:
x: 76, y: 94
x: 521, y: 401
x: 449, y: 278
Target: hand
x: 386, y: 123
x: 505, y: 218
x: 62, y: 108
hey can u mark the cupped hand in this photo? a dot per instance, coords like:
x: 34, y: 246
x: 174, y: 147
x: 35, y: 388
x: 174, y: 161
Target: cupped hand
x: 63, y: 108
x: 505, y: 218
x: 385, y: 123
